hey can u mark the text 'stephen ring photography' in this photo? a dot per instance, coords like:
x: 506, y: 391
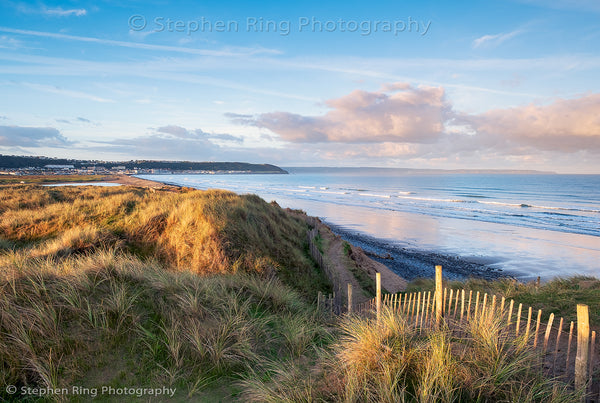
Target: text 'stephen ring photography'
x: 313, y: 202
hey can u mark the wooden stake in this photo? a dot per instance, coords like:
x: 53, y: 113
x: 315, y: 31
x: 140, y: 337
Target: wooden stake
x: 438, y: 295
x: 427, y: 310
x: 422, y: 312
x: 510, y: 310
x: 493, y: 309
x: 569, y: 343
x: 418, y: 307
x: 548, y: 329
x: 560, y: 326
x: 449, y: 309
x: 378, y: 295
x: 462, y: 304
x: 483, y: 305
x: 519, y: 318
x: 592, y: 348
x: 528, y: 323
x: 537, y: 328
x: 469, y: 307
x: 476, y: 306
x: 433, y: 305
x: 455, y: 304
x: 583, y: 346
x: 349, y: 298
x: 502, y: 306
x: 444, y: 311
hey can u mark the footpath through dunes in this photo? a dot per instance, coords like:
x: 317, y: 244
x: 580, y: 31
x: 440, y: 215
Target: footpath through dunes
x: 346, y: 264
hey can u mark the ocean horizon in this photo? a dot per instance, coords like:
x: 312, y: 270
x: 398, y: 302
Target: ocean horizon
x: 525, y: 224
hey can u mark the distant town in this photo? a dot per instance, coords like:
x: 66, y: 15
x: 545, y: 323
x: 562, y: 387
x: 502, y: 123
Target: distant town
x: 25, y: 165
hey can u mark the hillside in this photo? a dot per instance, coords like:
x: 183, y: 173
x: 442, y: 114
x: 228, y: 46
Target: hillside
x: 128, y: 286
x: 210, y: 296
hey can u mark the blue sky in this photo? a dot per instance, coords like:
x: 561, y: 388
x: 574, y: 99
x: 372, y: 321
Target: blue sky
x: 487, y: 84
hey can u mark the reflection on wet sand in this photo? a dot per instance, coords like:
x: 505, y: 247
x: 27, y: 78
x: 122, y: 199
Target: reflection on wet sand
x: 526, y: 252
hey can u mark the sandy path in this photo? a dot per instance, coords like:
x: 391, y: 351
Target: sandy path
x: 343, y: 264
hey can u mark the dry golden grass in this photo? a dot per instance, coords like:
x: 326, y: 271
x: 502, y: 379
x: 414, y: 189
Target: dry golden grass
x: 206, y: 232
x: 124, y: 286
x: 65, y: 321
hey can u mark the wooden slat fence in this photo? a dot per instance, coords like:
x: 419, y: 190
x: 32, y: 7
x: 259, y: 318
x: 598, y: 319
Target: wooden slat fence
x: 568, y: 348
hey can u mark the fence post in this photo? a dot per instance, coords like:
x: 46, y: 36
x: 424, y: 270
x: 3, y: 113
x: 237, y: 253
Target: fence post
x: 548, y: 330
x: 560, y: 326
x: 569, y: 344
x: 592, y: 345
x: 469, y: 306
x: 378, y: 295
x: 537, y: 327
x: 510, y: 311
x: 438, y: 294
x: 583, y: 344
x: 349, y: 298
x: 462, y: 304
x: 519, y: 319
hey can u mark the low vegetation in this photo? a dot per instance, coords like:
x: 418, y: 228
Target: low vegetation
x: 213, y: 294
x: 559, y: 296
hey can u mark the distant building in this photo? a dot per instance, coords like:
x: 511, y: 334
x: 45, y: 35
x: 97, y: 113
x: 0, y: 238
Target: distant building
x: 59, y: 166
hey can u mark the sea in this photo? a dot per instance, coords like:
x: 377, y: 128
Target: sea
x: 528, y: 225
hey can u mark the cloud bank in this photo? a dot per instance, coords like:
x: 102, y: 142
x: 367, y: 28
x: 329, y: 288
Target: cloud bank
x: 397, y: 113
x: 174, y: 142
x: 405, y: 122
x: 21, y: 136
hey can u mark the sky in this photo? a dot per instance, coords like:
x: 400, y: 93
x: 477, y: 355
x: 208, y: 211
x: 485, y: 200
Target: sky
x: 503, y: 84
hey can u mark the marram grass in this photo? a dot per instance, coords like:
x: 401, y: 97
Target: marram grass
x: 213, y: 293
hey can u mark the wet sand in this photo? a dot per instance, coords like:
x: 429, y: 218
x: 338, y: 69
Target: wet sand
x: 411, y: 263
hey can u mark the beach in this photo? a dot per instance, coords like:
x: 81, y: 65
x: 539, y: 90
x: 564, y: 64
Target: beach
x: 411, y: 264
x: 521, y: 226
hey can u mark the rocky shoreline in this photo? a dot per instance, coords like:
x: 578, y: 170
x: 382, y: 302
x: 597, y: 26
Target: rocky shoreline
x: 412, y: 263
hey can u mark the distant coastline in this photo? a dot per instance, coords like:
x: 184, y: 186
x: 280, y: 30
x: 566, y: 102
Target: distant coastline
x: 38, y: 165
x: 418, y: 171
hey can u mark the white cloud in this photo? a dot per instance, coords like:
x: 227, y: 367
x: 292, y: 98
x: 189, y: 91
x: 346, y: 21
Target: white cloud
x: 146, y: 46
x: 50, y: 11
x: 398, y: 114
x: 487, y: 41
x: 21, y: 136
x: 65, y: 92
x: 60, y: 12
x: 8, y: 42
